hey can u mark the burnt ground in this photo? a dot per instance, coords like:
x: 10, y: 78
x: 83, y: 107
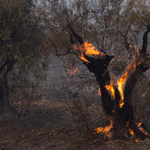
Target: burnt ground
x: 49, y: 125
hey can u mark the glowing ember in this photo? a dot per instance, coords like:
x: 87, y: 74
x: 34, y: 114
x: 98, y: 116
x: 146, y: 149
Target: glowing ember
x: 99, y: 92
x: 131, y: 132
x: 100, y: 129
x: 90, y: 49
x: 139, y: 125
x: 136, y: 140
x: 104, y: 130
x: 111, y: 89
x: 75, y: 46
x: 72, y: 72
x: 121, y: 103
x: 127, y: 124
x: 132, y: 66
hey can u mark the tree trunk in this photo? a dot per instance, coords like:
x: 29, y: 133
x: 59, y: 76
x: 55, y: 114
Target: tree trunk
x: 122, y: 117
x: 5, y: 107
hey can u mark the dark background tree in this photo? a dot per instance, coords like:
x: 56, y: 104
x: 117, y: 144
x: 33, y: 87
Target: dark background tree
x: 21, y: 37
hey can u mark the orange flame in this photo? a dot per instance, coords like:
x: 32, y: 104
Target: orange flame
x: 131, y: 131
x: 87, y: 49
x: 111, y: 89
x: 83, y: 58
x: 121, y: 82
x: 99, y: 92
x: 139, y: 125
x: 90, y: 49
x: 100, y: 129
x: 104, y: 130
x: 72, y: 72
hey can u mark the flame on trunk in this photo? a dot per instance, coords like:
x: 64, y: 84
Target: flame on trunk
x: 111, y: 89
x: 131, y: 131
x: 90, y: 49
x: 81, y: 56
x: 139, y: 125
x: 99, y: 92
x: 87, y: 49
x: 121, y: 82
x: 75, y: 46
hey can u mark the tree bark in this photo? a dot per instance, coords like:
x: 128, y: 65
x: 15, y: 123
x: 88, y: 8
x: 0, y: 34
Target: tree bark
x: 122, y: 117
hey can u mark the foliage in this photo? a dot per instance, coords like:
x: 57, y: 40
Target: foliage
x: 106, y: 24
x: 21, y: 35
x: 21, y: 41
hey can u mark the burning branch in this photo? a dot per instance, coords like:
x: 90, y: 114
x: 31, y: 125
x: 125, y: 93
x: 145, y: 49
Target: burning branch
x: 115, y: 96
x: 97, y: 62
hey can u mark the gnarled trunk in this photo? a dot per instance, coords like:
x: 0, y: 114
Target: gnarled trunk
x: 122, y: 116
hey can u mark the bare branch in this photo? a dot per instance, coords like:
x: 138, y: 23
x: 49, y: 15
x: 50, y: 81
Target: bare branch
x: 63, y: 54
x: 145, y: 39
x: 77, y: 37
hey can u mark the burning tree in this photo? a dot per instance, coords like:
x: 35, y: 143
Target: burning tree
x: 108, y: 24
x: 115, y: 93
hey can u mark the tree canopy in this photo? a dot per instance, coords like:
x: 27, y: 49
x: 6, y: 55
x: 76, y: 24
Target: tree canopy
x: 21, y: 41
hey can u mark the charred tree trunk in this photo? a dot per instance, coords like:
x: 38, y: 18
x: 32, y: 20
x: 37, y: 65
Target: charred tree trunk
x: 125, y: 115
x: 100, y: 69
x: 122, y: 117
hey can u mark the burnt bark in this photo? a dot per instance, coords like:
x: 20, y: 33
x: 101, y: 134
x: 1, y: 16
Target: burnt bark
x: 122, y: 117
x: 100, y: 69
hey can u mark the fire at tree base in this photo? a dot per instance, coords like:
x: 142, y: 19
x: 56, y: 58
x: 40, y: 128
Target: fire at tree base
x: 116, y: 97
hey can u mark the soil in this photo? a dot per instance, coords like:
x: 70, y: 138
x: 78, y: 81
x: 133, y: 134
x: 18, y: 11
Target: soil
x: 49, y: 125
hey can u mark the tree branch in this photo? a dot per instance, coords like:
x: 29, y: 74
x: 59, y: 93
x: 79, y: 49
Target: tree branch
x: 63, y: 54
x: 145, y: 40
